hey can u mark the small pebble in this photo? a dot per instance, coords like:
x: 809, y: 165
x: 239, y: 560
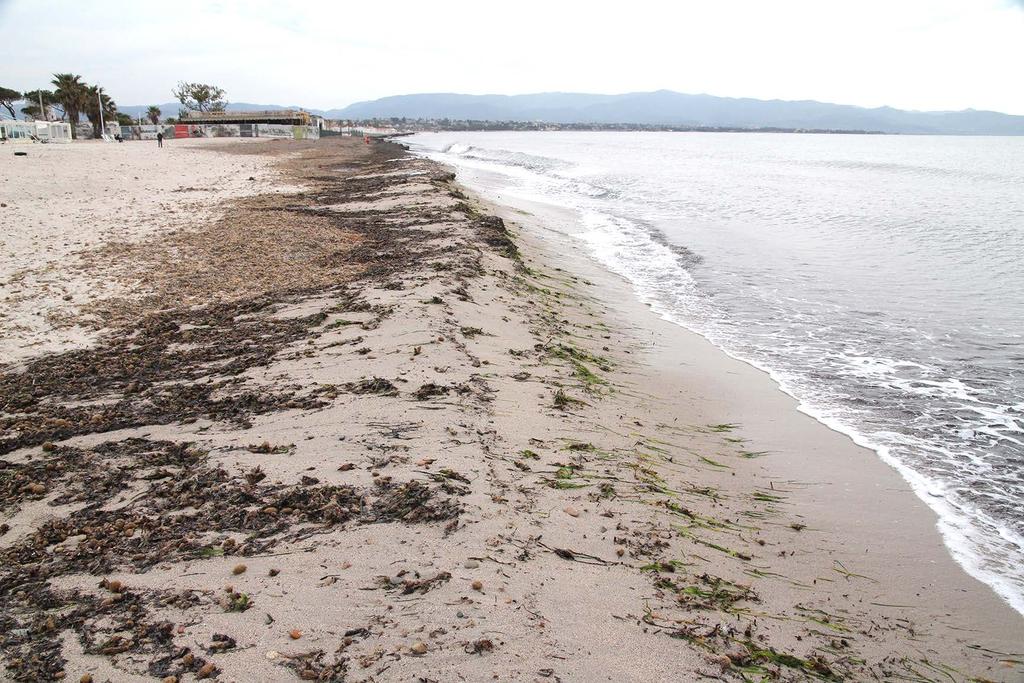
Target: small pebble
x: 273, y: 654
x: 478, y: 585
x: 239, y: 569
x: 207, y: 670
x: 572, y: 512
x: 295, y: 634
x: 419, y: 648
x: 470, y: 564
x: 274, y: 572
x: 86, y: 678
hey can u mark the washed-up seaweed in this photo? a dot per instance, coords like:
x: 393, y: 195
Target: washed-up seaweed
x: 171, y: 519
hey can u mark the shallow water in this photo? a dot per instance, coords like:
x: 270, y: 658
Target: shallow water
x: 879, y: 279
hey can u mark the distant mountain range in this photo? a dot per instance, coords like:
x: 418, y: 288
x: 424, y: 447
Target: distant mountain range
x: 665, y: 107
x: 662, y: 107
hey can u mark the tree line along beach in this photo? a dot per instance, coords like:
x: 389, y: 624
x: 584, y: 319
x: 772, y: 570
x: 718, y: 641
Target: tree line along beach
x: 310, y: 409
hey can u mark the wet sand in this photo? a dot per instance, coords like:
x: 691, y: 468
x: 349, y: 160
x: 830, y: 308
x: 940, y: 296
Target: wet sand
x: 360, y: 431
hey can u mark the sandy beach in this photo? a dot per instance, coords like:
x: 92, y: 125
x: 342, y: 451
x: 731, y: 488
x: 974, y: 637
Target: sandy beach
x: 310, y: 410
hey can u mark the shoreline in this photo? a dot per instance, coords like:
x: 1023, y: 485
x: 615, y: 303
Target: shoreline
x: 436, y: 446
x: 671, y: 351
x: 953, y: 526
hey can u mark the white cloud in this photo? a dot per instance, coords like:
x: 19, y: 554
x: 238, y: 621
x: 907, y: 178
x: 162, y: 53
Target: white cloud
x: 921, y: 54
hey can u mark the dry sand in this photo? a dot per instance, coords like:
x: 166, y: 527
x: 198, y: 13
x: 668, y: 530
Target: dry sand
x: 429, y: 452
x: 63, y: 200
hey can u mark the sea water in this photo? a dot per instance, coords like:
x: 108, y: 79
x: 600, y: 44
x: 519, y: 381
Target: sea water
x: 878, y: 279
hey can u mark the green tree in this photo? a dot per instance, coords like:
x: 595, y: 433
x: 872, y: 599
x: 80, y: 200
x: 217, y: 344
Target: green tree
x: 153, y: 114
x: 93, y: 96
x: 32, y: 98
x: 7, y: 99
x: 199, y: 97
x: 71, y: 93
x: 124, y: 119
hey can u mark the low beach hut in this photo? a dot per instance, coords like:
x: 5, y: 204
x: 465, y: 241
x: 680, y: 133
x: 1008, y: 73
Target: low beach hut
x: 34, y: 131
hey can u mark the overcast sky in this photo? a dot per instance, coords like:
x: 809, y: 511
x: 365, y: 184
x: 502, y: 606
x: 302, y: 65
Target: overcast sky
x: 912, y: 54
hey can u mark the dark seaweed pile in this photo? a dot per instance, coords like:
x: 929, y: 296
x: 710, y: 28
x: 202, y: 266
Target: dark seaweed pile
x: 182, y: 501
x: 144, y: 503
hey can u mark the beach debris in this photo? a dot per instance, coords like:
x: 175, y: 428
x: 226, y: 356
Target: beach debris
x: 563, y: 401
x: 220, y: 642
x: 573, y: 555
x: 424, y: 585
x: 479, y: 647
x: 206, y: 670
x: 374, y: 385
x: 430, y: 390
x: 239, y: 569
x: 419, y: 648
x: 267, y: 448
x: 312, y: 666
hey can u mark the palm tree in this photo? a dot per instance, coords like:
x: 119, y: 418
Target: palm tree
x: 93, y: 96
x: 71, y: 92
x: 153, y: 113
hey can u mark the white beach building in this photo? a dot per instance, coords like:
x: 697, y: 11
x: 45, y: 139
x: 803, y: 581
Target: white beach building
x: 34, y: 131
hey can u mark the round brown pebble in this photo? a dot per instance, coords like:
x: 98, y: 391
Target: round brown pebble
x: 478, y: 585
x: 239, y: 569
x: 620, y: 551
x: 170, y: 679
x: 86, y: 678
x: 114, y: 586
x: 295, y: 634
x: 419, y: 648
x: 207, y: 670
x: 274, y: 572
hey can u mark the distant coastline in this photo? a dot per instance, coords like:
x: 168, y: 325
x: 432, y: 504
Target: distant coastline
x: 449, y: 125
x: 661, y: 110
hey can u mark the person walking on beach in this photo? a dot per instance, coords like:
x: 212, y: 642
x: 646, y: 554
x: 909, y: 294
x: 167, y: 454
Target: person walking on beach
x: 160, y: 139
